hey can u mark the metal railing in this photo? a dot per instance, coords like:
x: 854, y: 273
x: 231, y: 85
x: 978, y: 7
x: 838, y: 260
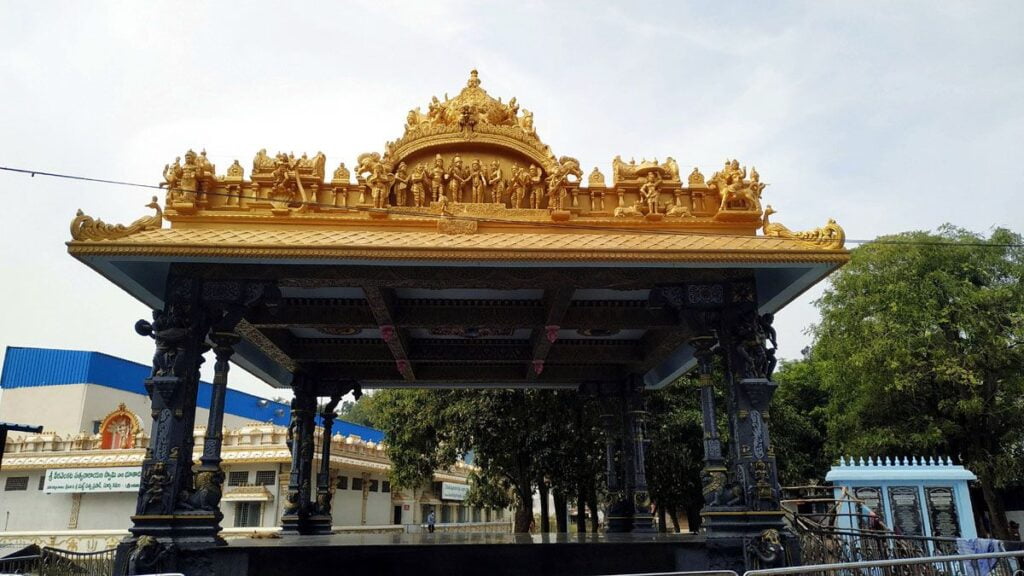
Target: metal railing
x: 992, y: 564
x: 21, y: 564
x: 57, y: 562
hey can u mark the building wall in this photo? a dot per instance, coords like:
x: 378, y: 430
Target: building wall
x: 32, y: 509
x: 56, y: 408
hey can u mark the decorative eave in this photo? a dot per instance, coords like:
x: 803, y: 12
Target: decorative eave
x: 290, y: 244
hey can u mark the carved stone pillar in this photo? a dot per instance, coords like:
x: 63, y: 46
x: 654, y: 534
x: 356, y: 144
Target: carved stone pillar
x: 209, y: 477
x: 635, y: 418
x: 298, y: 512
x: 320, y: 521
x: 617, y: 516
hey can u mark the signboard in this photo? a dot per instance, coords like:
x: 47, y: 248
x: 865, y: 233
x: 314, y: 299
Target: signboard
x: 906, y: 510
x: 451, y: 491
x: 942, y: 511
x: 872, y: 498
x: 68, y: 480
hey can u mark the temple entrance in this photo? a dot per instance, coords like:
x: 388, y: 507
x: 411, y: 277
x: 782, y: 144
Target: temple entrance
x: 466, y: 255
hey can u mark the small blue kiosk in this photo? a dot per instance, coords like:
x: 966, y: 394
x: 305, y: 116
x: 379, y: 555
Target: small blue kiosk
x: 915, y: 497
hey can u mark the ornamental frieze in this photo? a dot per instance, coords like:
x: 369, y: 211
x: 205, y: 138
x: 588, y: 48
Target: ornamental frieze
x: 468, y: 164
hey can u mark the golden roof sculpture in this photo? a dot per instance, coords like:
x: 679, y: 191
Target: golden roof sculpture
x: 465, y: 165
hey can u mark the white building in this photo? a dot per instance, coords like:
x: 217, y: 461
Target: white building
x: 77, y: 481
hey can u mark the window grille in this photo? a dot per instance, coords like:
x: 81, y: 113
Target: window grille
x: 385, y: 486
x: 342, y: 483
x: 374, y: 486
x: 16, y: 483
x: 247, y: 514
x: 42, y: 482
x: 238, y: 478
x: 265, y: 477
x: 357, y: 483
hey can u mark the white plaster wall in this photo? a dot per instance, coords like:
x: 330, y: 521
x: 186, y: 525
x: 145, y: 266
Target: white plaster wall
x: 32, y: 509
x: 55, y: 408
x: 106, y: 511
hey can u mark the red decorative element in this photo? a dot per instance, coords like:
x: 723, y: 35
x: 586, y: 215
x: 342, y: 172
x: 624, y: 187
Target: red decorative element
x: 538, y: 367
x: 552, y: 333
x: 387, y: 333
x: 403, y: 366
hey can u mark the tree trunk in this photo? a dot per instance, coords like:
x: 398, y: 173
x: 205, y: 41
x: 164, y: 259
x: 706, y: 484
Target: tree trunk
x: 581, y: 511
x: 996, y: 508
x: 592, y: 504
x: 693, y: 518
x: 561, y: 512
x: 524, y: 513
x: 662, y: 520
x: 545, y: 520
x: 674, y: 514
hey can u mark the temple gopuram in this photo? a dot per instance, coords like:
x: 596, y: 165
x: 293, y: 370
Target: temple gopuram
x: 465, y: 253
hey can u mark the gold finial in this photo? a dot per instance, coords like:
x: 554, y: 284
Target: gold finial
x: 831, y: 236
x: 84, y: 227
x: 474, y: 79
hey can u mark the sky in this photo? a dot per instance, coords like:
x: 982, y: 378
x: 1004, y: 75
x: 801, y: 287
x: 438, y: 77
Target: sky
x: 885, y: 116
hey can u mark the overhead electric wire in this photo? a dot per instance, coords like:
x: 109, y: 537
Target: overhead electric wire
x: 485, y: 220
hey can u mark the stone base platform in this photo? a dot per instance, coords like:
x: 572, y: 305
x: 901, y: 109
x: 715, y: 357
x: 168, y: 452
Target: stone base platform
x: 462, y: 554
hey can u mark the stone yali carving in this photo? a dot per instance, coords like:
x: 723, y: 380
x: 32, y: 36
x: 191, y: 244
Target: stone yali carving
x: 830, y: 237
x: 85, y: 227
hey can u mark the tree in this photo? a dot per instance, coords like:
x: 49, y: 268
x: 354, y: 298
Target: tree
x: 676, y: 453
x: 518, y: 437
x: 799, y: 423
x: 921, y: 346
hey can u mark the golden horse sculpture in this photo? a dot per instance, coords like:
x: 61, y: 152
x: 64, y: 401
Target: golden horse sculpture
x: 830, y: 237
x: 85, y: 227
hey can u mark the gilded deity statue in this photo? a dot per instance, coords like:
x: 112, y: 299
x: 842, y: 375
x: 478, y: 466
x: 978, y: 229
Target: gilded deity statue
x: 401, y: 179
x: 457, y: 178
x: 556, y: 189
x: 649, y: 192
x: 417, y: 184
x: 495, y: 179
x: 477, y: 181
x: 436, y: 178
x: 380, y: 183
x: 518, y: 183
x: 536, y: 186
x: 341, y: 173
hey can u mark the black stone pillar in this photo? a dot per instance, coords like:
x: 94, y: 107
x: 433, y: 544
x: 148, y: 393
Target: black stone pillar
x: 617, y: 514
x: 636, y: 441
x: 299, y: 510
x: 320, y: 520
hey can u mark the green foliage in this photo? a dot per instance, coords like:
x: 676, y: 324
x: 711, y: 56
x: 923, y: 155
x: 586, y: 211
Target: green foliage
x: 799, y: 416
x: 921, y: 348
x: 359, y: 412
x: 675, y: 455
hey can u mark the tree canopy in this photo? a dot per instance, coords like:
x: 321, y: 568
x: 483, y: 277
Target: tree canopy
x: 921, y: 349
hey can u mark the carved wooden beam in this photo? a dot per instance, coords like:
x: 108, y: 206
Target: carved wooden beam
x: 380, y: 301
x: 366, y: 350
x: 557, y: 301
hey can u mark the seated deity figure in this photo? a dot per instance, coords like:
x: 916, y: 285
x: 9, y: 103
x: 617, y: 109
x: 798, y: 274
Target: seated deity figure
x: 417, y: 183
x: 496, y: 181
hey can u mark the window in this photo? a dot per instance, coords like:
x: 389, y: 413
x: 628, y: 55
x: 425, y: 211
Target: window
x: 96, y: 426
x: 265, y: 477
x: 374, y: 486
x: 247, y: 514
x: 238, y: 478
x: 385, y: 486
x: 16, y: 483
x: 42, y: 481
x: 357, y: 483
x: 342, y: 483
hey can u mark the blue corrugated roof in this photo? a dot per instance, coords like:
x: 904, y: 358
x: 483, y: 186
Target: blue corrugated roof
x: 29, y: 367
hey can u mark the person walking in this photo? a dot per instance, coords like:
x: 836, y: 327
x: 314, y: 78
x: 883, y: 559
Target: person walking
x: 430, y: 522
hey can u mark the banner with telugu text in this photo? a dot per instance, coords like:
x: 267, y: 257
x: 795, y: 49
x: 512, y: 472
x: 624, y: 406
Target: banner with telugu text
x: 69, y: 480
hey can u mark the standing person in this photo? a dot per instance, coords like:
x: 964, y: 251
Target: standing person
x: 430, y: 522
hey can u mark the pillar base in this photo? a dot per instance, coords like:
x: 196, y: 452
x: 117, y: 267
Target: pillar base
x: 200, y: 529
x: 306, y: 526
x: 759, y: 538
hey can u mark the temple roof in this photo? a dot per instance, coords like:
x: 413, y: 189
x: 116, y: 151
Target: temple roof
x: 464, y: 253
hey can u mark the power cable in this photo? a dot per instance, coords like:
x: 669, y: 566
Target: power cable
x: 485, y: 220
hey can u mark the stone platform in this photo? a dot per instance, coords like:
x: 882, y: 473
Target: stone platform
x: 462, y: 554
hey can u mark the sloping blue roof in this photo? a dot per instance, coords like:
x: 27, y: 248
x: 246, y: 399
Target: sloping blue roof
x: 31, y: 367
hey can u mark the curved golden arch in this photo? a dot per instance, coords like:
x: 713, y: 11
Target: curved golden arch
x: 428, y: 142
x: 133, y: 419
